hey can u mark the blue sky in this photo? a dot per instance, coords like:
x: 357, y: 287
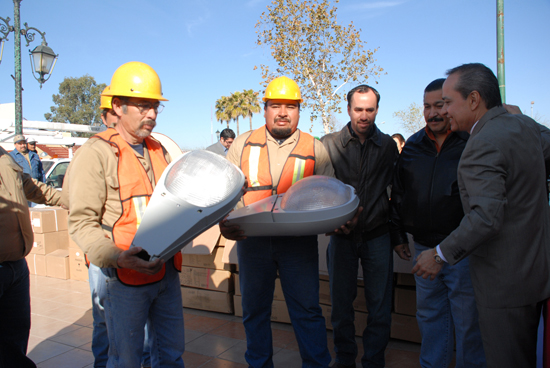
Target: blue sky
x: 206, y: 49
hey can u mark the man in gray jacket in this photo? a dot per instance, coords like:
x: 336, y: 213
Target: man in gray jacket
x: 364, y: 158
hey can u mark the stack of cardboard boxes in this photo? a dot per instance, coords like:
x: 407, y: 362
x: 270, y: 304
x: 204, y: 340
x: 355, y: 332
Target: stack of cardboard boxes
x: 49, y: 255
x: 206, y: 281
x: 404, y: 325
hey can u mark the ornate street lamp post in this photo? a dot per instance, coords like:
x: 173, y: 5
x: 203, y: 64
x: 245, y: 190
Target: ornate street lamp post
x: 43, y: 58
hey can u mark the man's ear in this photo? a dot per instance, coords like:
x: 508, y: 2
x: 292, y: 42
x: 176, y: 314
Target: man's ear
x: 116, y: 105
x: 474, y: 100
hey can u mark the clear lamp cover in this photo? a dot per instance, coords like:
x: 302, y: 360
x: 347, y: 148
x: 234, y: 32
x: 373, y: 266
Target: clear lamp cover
x: 201, y: 179
x: 315, y: 193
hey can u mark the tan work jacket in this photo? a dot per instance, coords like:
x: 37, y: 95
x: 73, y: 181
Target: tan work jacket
x: 16, y: 188
x: 94, y: 200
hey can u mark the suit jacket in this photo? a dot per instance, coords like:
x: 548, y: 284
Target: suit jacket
x: 506, y: 226
x: 217, y: 148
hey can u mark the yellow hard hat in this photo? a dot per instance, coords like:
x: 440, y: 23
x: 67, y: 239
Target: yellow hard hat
x: 282, y: 88
x: 105, y: 100
x: 135, y: 79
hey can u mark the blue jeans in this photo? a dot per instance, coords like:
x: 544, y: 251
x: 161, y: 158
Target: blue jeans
x: 343, y: 256
x: 297, y: 260
x: 129, y: 308
x: 15, y: 314
x: 100, y: 339
x: 447, y: 306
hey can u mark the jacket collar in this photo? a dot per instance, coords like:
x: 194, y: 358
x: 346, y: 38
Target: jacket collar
x: 347, y: 135
x: 489, y: 115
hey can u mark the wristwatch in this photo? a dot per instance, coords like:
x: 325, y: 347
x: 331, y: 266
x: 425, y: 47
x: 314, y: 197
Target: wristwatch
x: 437, y: 258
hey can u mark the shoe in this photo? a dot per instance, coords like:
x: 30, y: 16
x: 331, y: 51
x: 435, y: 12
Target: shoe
x: 340, y: 365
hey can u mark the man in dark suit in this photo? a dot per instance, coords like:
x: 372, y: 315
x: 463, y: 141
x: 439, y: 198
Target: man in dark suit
x: 506, y: 224
x: 222, y: 146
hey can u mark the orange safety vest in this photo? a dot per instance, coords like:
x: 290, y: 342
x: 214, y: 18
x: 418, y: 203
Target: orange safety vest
x: 135, y: 191
x: 255, y: 165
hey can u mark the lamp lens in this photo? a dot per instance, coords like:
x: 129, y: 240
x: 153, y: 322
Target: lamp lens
x: 316, y: 192
x: 203, y: 178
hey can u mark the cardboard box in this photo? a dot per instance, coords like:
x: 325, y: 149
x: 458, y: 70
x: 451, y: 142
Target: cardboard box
x: 405, y: 300
x: 45, y: 243
x: 210, y: 300
x: 206, y: 278
x: 77, y: 265
x: 37, y: 264
x: 204, y: 243
x: 49, y: 219
x: 405, y: 279
x: 405, y: 328
x: 213, y: 261
x: 57, y: 264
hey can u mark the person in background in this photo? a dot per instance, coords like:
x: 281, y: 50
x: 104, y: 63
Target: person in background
x: 28, y: 160
x: 227, y: 136
x: 399, y: 140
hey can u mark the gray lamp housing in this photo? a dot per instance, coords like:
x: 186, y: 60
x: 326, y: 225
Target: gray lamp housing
x: 194, y: 192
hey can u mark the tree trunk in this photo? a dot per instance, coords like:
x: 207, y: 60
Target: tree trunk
x: 250, y: 122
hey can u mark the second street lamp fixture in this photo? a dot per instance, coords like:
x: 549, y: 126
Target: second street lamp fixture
x: 43, y: 61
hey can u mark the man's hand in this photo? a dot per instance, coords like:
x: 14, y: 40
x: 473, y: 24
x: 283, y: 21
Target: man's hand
x: 348, y: 226
x: 128, y: 259
x: 403, y: 251
x: 232, y: 232
x: 426, y: 266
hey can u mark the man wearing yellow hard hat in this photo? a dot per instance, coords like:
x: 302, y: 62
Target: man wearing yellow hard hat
x: 113, y: 175
x: 273, y: 158
x: 108, y: 116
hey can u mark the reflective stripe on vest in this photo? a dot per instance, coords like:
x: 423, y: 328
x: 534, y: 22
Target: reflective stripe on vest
x: 255, y: 165
x: 135, y: 190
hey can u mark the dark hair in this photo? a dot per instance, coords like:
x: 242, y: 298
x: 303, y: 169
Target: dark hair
x: 435, y: 85
x: 227, y: 133
x: 399, y: 136
x: 477, y: 77
x: 363, y: 88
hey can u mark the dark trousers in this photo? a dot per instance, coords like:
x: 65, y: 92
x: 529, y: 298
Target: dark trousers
x: 15, y: 314
x: 510, y: 335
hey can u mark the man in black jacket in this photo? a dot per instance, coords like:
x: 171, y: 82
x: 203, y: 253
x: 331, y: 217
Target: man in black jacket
x: 427, y: 204
x: 364, y: 158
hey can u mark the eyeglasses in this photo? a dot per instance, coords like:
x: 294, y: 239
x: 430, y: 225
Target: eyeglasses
x: 144, y: 107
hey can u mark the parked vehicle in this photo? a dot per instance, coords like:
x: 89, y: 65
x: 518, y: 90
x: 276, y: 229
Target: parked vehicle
x: 55, y: 171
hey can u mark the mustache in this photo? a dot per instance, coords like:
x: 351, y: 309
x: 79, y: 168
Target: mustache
x: 150, y: 122
x: 435, y: 119
x: 282, y: 119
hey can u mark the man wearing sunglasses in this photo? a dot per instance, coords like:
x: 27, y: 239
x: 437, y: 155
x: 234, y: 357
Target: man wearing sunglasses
x: 112, y: 178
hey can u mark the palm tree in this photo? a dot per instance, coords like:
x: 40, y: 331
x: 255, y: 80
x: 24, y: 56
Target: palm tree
x: 222, y: 111
x: 235, y: 107
x: 251, y: 104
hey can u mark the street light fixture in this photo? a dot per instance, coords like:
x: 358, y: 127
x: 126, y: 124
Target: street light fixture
x: 218, y: 134
x: 44, y: 57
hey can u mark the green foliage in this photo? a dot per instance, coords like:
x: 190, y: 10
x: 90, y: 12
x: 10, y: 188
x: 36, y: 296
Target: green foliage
x: 310, y: 47
x: 238, y: 104
x: 78, y: 102
x: 411, y: 118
